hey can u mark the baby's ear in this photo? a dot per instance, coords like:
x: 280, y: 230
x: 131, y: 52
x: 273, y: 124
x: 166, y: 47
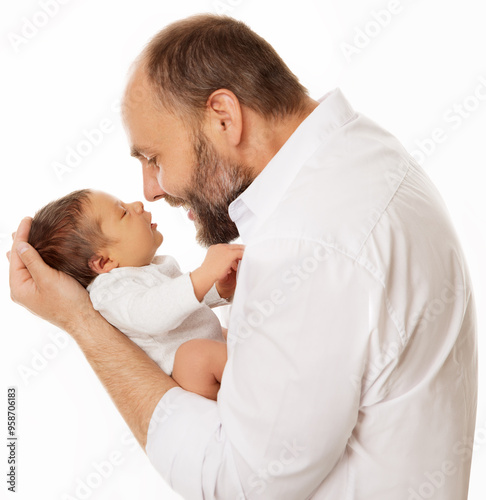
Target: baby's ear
x: 100, y: 264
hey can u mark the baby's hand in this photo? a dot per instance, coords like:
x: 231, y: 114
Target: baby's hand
x: 218, y: 267
x: 226, y: 284
x: 221, y: 260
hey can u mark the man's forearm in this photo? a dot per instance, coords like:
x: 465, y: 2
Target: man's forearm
x: 134, y: 382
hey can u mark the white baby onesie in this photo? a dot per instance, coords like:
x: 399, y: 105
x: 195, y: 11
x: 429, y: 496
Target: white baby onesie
x: 155, y: 306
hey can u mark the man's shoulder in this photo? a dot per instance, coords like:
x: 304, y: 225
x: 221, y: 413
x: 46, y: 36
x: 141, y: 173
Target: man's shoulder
x: 335, y: 202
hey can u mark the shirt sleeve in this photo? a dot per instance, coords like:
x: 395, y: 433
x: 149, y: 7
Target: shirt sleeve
x: 290, y: 393
x: 213, y: 299
x: 141, y: 309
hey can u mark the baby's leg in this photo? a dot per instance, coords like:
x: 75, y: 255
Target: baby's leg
x: 199, y: 365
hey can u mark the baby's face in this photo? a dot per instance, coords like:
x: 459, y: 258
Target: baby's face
x: 137, y: 239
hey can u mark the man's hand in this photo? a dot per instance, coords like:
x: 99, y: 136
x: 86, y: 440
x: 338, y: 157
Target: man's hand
x: 50, y: 294
x: 218, y: 267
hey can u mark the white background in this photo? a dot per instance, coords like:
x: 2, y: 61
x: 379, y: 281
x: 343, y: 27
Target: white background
x: 63, y: 78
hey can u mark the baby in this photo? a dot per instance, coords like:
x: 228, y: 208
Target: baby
x: 109, y: 247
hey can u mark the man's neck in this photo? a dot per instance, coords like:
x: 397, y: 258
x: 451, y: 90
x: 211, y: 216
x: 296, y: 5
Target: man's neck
x: 264, y: 138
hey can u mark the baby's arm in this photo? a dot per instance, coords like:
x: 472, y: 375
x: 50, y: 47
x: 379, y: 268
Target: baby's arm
x: 199, y: 365
x: 135, y: 306
x: 141, y: 307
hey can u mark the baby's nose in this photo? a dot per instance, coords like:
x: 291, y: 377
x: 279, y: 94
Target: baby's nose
x: 138, y: 207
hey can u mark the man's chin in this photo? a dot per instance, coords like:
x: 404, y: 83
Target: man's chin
x: 201, y: 234
x: 207, y: 236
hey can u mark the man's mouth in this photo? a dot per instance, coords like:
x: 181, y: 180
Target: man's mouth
x: 153, y: 226
x: 190, y: 213
x: 178, y: 203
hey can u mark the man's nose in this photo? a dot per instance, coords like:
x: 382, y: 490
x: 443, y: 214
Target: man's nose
x: 151, y: 188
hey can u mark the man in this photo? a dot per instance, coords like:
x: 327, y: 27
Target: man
x: 352, y: 340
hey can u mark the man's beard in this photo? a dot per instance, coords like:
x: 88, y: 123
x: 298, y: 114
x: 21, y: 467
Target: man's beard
x: 215, y: 183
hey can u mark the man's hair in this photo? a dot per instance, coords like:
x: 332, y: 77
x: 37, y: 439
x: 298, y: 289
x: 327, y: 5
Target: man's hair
x: 67, y: 237
x: 191, y: 58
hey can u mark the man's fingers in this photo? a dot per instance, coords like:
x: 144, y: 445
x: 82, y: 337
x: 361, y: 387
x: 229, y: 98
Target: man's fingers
x: 25, y: 263
x: 32, y: 260
x: 21, y: 235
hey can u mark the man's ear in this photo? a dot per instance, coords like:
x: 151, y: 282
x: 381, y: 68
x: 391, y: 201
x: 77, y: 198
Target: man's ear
x: 100, y: 264
x: 225, y: 117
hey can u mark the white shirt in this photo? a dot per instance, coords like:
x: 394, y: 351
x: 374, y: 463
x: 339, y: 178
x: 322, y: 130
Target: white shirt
x: 155, y: 306
x: 352, y: 371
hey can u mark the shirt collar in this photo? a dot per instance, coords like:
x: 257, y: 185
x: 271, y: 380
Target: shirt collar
x: 262, y: 196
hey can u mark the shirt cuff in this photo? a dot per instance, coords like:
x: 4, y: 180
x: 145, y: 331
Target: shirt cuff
x: 181, y: 427
x: 212, y: 298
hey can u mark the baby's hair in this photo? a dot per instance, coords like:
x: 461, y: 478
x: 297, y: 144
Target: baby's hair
x: 67, y: 236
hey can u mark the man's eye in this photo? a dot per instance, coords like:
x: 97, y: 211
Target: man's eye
x: 153, y: 161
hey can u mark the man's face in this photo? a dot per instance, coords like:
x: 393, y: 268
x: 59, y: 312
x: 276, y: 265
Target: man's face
x: 182, y: 166
x: 158, y: 139
x: 215, y: 182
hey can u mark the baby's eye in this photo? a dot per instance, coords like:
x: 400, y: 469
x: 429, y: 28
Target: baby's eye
x: 124, y: 213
